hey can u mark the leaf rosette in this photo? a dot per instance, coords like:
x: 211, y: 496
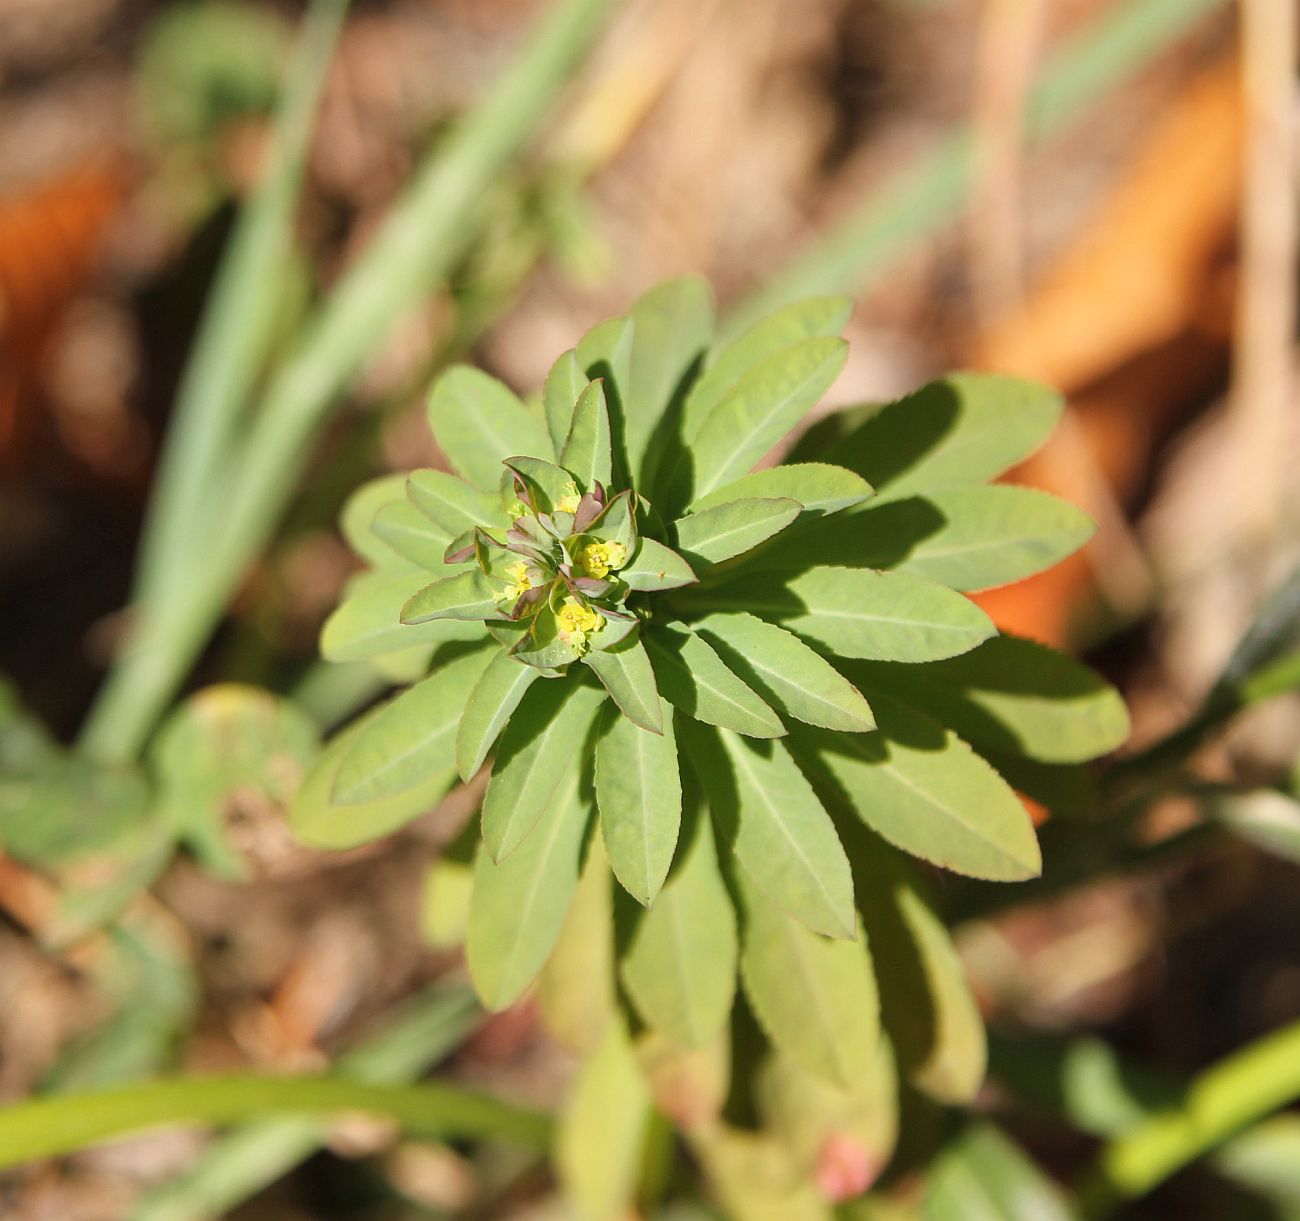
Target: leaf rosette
x: 749, y: 694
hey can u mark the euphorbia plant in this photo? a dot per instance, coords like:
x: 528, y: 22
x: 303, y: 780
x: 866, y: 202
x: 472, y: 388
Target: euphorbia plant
x: 745, y: 689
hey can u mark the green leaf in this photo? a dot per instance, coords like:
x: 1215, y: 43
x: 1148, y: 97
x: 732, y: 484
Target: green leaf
x: 599, y: 1146
x: 478, y: 422
x: 728, y: 530
x: 786, y: 840
x: 576, y: 989
x: 586, y: 453
x: 822, y: 489
x: 925, y: 1003
x: 626, y: 673
x: 696, y: 680
x: 820, y: 316
x: 605, y: 352
x: 885, y: 616
x: 451, y: 503
x: 320, y: 822
x: 1010, y: 695
x: 814, y: 996
x: 995, y: 535
x: 368, y: 622
x: 966, y: 428
x: 920, y: 787
x: 495, y: 697
x: 787, y: 673
x: 564, y: 383
x: 545, y: 739
x: 982, y: 1176
x: 639, y: 793
x: 654, y: 567
x: 411, y: 534
x: 806, y: 1112
x: 413, y: 738
x: 680, y: 965
x: 518, y: 904
x: 760, y: 409
x: 672, y: 324
x: 468, y: 595
x: 358, y: 516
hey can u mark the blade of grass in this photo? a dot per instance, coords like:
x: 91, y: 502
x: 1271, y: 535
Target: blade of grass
x: 252, y: 1157
x: 417, y: 245
x: 929, y: 195
x: 65, y: 1123
x: 230, y: 346
x: 1235, y: 1093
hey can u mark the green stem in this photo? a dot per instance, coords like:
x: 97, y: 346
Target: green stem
x: 929, y: 195
x: 53, y: 1126
x: 237, y: 320
x: 1227, y: 1098
x: 418, y: 244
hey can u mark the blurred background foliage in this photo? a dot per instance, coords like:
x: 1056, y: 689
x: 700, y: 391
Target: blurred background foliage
x: 1099, y: 194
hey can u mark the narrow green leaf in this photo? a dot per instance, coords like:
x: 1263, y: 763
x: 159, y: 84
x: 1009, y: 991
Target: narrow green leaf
x: 605, y: 352
x: 478, y: 422
x: 320, y: 822
x: 467, y: 595
x: 815, y: 996
x: 544, y: 741
x: 787, y: 673
x: 680, y: 965
x: 626, y: 673
x: 600, y: 1145
x: 885, y: 616
x: 564, y: 383
x: 575, y: 991
x: 495, y: 697
x: 822, y: 489
x: 731, y: 529
x: 762, y: 407
x: 696, y: 680
x: 924, y: 790
x: 451, y: 503
x: 786, y: 840
x: 982, y: 1176
x: 806, y: 1111
x: 925, y: 1003
x: 518, y: 904
x: 358, y: 517
x: 820, y: 316
x: 654, y: 567
x: 672, y: 324
x: 413, y: 739
x: 586, y: 453
x: 965, y: 429
x: 639, y: 792
x: 995, y: 535
x: 1011, y: 695
x: 368, y: 621
x: 411, y: 534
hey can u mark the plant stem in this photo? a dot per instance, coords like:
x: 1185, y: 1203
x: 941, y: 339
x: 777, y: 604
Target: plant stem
x: 1244, y: 1088
x: 65, y: 1123
x: 417, y: 245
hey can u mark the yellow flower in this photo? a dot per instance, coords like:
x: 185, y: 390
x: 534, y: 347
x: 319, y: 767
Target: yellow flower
x: 519, y: 583
x: 598, y: 558
x: 577, y: 621
x: 569, y: 499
